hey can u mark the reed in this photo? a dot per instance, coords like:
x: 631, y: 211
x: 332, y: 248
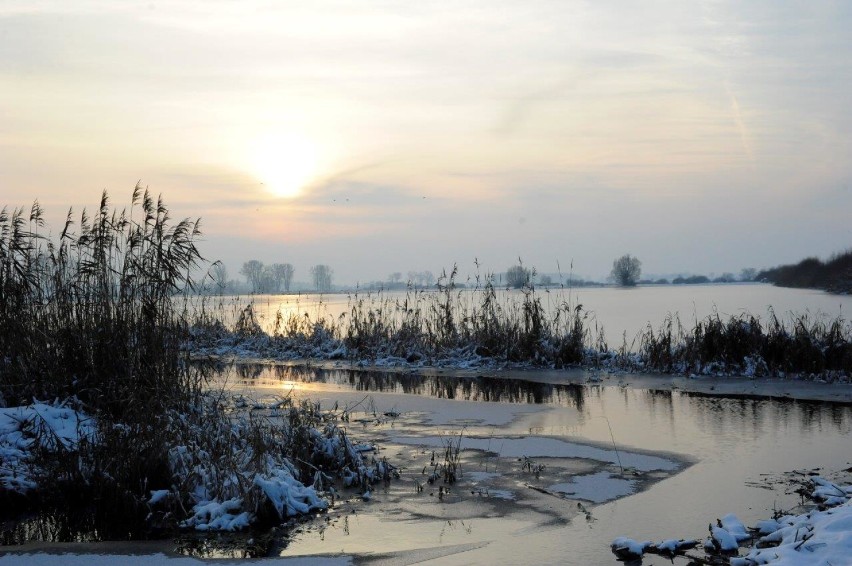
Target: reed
x: 96, y: 318
x: 450, y: 323
x: 803, y: 344
x: 93, y: 315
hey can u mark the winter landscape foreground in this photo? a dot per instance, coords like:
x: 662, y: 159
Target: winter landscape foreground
x: 536, y: 467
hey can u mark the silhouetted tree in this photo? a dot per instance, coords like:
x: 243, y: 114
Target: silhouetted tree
x: 321, y: 276
x: 517, y: 276
x: 276, y: 275
x: 253, y: 272
x: 219, y: 273
x: 287, y: 270
x: 421, y: 278
x: 626, y: 271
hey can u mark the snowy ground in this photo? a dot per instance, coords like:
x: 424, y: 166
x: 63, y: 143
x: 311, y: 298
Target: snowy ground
x: 39, y: 425
x: 821, y: 536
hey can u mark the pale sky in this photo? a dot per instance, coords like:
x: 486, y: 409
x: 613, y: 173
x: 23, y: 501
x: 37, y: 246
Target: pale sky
x: 393, y: 136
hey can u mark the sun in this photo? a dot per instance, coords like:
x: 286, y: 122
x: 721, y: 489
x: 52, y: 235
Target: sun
x: 285, y: 164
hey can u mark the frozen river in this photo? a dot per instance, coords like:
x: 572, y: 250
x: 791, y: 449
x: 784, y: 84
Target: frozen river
x: 737, y: 449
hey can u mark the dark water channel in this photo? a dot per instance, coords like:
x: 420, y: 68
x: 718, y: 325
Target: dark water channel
x: 739, y: 446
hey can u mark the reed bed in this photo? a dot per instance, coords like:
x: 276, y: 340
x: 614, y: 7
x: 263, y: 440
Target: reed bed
x: 477, y: 326
x: 91, y: 319
x: 95, y: 324
x: 804, y: 345
x: 448, y: 325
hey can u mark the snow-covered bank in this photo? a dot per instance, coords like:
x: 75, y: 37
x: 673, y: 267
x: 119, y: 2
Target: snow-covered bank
x: 37, y: 427
x: 231, y: 463
x: 440, y: 330
x: 820, y: 536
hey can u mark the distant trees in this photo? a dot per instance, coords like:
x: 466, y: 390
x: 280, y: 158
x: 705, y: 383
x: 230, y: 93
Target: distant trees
x: 833, y: 275
x: 421, y: 278
x: 725, y: 278
x: 748, y: 274
x: 545, y: 280
x: 267, y: 278
x: 281, y: 275
x: 691, y: 280
x: 253, y: 272
x: 321, y: 276
x: 517, y: 276
x: 626, y: 271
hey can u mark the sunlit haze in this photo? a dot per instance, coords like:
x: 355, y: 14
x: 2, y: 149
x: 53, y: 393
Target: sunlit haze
x: 381, y: 137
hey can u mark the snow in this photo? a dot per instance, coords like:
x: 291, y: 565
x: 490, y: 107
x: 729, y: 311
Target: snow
x: 819, y: 537
x: 288, y: 495
x: 23, y: 429
x: 735, y: 527
x: 225, y: 491
x: 723, y: 539
x: 623, y: 546
x: 157, y: 496
x: 672, y: 546
x: 216, y: 516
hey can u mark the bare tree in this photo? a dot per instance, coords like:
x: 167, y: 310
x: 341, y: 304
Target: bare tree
x: 321, y: 276
x: 421, y: 278
x: 517, y: 276
x: 428, y: 278
x: 287, y: 271
x: 278, y: 275
x: 219, y: 273
x: 253, y: 272
x: 395, y: 277
x: 626, y: 271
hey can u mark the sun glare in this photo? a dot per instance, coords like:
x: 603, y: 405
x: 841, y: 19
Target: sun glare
x: 284, y: 164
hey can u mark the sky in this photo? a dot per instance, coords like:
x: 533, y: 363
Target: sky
x: 380, y: 137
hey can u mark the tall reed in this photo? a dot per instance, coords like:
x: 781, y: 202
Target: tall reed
x: 745, y: 344
x: 450, y: 322
x: 94, y: 318
x: 93, y: 315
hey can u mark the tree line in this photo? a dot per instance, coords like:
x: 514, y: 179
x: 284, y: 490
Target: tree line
x: 269, y: 278
x: 834, y: 274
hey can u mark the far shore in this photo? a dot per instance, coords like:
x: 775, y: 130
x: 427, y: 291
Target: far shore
x: 714, y: 386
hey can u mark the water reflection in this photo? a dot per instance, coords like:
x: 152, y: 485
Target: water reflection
x: 661, y: 409
x: 478, y: 388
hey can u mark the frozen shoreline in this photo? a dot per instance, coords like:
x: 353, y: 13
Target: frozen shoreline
x: 709, y: 385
